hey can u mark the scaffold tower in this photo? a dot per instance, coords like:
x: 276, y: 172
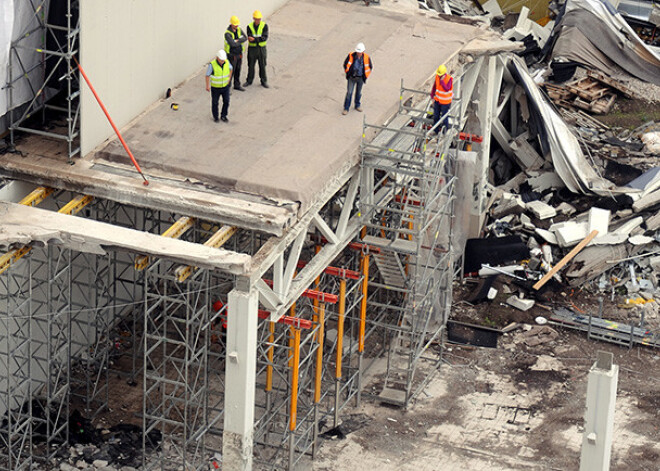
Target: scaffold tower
x: 410, y: 168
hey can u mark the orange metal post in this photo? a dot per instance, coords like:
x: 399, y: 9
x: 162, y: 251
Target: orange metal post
x: 270, y: 354
x: 319, y: 354
x: 363, y: 303
x: 340, y: 326
x: 294, y: 379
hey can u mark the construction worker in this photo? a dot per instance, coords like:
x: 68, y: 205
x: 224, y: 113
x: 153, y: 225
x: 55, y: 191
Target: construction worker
x: 218, y: 79
x: 442, y: 94
x: 257, y: 32
x: 234, y: 39
x: 358, y: 67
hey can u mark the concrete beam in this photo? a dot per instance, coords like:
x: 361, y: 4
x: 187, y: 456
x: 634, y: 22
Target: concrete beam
x: 22, y: 225
x: 124, y: 186
x: 240, y: 374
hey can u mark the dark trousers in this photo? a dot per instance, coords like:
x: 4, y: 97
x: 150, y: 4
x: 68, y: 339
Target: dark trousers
x: 236, y: 60
x: 353, y: 82
x: 438, y: 112
x: 215, y: 98
x: 257, y: 54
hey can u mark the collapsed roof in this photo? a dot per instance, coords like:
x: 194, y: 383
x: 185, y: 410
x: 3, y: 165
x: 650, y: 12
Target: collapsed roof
x: 593, y: 33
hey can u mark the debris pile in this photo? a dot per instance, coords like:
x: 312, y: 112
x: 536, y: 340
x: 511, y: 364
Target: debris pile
x: 573, y: 200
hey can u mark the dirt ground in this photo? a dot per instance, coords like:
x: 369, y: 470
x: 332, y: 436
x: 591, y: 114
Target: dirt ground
x: 630, y: 114
x: 515, y: 407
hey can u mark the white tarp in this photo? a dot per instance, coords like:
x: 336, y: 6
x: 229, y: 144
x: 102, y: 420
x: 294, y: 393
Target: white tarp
x: 6, y: 29
x: 18, y: 20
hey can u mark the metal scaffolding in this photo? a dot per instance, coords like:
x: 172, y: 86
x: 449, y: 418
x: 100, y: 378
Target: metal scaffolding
x: 326, y: 298
x: 409, y: 226
x: 53, y: 82
x: 57, y: 310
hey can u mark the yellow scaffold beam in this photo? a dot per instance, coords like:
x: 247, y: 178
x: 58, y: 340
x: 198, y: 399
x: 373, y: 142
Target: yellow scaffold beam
x: 216, y: 241
x: 37, y: 196
x: 175, y: 231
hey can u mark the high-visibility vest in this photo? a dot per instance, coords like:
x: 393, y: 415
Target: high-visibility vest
x: 236, y: 35
x: 221, y: 73
x: 365, y: 58
x: 441, y: 96
x: 256, y: 33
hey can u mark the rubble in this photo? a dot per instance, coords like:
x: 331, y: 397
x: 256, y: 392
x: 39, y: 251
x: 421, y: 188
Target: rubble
x: 582, y: 194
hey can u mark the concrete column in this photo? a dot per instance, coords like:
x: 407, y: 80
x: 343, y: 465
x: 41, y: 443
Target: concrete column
x: 599, y: 417
x: 488, y: 88
x: 240, y: 371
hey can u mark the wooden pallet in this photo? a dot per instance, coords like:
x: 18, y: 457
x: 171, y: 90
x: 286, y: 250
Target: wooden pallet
x: 589, y: 89
x: 620, y: 87
x: 601, y: 105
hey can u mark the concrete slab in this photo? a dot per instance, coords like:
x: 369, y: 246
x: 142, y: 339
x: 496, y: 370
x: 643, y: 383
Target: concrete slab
x: 289, y: 141
x: 285, y: 146
x: 541, y: 210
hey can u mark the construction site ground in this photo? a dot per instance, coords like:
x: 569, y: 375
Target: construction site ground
x: 514, y: 407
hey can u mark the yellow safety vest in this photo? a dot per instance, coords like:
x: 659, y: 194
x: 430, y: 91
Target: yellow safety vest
x: 236, y: 35
x: 221, y: 73
x: 256, y: 33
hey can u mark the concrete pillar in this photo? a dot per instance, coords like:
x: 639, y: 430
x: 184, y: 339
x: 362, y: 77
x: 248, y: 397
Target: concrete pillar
x: 599, y: 416
x: 240, y: 371
x: 488, y: 86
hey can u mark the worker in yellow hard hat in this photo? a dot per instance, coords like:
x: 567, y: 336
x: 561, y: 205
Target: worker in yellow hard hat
x: 442, y: 94
x: 257, y: 32
x: 234, y: 44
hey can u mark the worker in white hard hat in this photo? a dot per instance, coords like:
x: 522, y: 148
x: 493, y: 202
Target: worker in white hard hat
x: 218, y: 80
x: 235, y: 40
x: 358, y: 67
x: 257, y: 32
x: 442, y: 94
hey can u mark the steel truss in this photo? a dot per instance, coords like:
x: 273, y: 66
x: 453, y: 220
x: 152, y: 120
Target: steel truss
x: 411, y: 233
x: 57, y: 49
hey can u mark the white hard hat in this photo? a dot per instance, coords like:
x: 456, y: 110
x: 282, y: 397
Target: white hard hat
x: 359, y: 47
x: 222, y: 55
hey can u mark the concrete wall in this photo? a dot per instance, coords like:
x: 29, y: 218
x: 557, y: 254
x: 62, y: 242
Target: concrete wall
x: 134, y: 50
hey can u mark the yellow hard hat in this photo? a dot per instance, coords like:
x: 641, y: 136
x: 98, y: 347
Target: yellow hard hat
x: 234, y: 21
x: 257, y: 15
x: 442, y: 70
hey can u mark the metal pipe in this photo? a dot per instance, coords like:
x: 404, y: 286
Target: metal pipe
x: 363, y: 303
x: 319, y: 375
x: 112, y: 123
x: 294, y: 393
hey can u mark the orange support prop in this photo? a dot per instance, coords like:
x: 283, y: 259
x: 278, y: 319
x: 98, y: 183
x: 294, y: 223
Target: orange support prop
x: 270, y: 353
x: 340, y: 327
x: 336, y: 271
x: 363, y: 303
x: 319, y: 354
x: 464, y: 136
x: 312, y: 294
x: 295, y: 360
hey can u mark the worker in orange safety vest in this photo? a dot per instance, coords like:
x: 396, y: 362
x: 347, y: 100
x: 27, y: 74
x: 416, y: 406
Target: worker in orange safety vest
x: 442, y: 94
x: 357, y: 67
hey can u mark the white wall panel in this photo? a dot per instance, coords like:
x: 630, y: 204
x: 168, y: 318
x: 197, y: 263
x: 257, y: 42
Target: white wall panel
x: 134, y: 50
